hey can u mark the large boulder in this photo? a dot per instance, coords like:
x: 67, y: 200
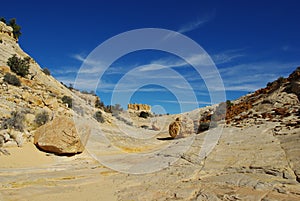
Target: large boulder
x: 174, y: 128
x: 187, y: 126
x: 61, y: 136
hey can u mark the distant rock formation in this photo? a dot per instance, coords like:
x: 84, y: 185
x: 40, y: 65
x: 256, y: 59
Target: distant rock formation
x: 139, y: 107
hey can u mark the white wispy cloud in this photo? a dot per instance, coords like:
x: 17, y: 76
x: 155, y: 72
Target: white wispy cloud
x: 184, y: 102
x: 228, y: 56
x: 65, y: 70
x: 129, y: 90
x: 199, y: 59
x: 252, y: 76
x: 243, y: 77
x: 90, y: 65
x: 203, y: 60
x: 193, y: 25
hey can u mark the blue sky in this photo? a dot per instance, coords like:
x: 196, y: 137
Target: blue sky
x: 251, y: 42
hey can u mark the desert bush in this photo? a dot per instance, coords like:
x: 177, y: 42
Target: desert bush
x: 67, y: 100
x: 99, y: 103
x: 90, y: 92
x: 269, y: 84
x: 41, y: 118
x: 15, y: 121
x: 144, y: 115
x: 203, y: 126
x: 280, y: 80
x: 46, y: 71
x: 16, y: 28
x: 116, y: 109
x: 229, y: 104
x: 144, y: 126
x: 126, y: 121
x: 99, y: 117
x: 12, y: 79
x: 71, y: 87
x: 108, y: 109
x: 2, y: 19
x: 18, y: 65
x: 113, y: 108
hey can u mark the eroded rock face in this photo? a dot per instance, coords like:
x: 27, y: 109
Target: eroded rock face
x: 4, y: 29
x: 61, y: 136
x: 155, y: 126
x: 174, y: 128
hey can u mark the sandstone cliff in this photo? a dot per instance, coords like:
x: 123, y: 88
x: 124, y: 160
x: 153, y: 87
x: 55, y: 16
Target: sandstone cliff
x: 139, y: 107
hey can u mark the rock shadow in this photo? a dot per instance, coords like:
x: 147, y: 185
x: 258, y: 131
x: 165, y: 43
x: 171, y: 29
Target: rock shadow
x: 168, y: 138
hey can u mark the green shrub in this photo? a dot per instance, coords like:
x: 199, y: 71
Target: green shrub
x: 204, y: 126
x: 12, y: 79
x: 16, y: 28
x: 46, y: 71
x: 99, y: 117
x: 269, y: 84
x: 2, y: 19
x: 108, y: 109
x: 229, y: 104
x: 41, y: 118
x: 116, y: 109
x: 86, y: 92
x: 144, y: 115
x: 99, y: 103
x: 67, y: 100
x: 70, y: 86
x: 15, y: 121
x: 280, y: 80
x: 18, y: 65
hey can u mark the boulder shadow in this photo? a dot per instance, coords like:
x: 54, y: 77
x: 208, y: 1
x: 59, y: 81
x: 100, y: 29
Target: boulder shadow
x: 168, y: 138
x: 165, y: 138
